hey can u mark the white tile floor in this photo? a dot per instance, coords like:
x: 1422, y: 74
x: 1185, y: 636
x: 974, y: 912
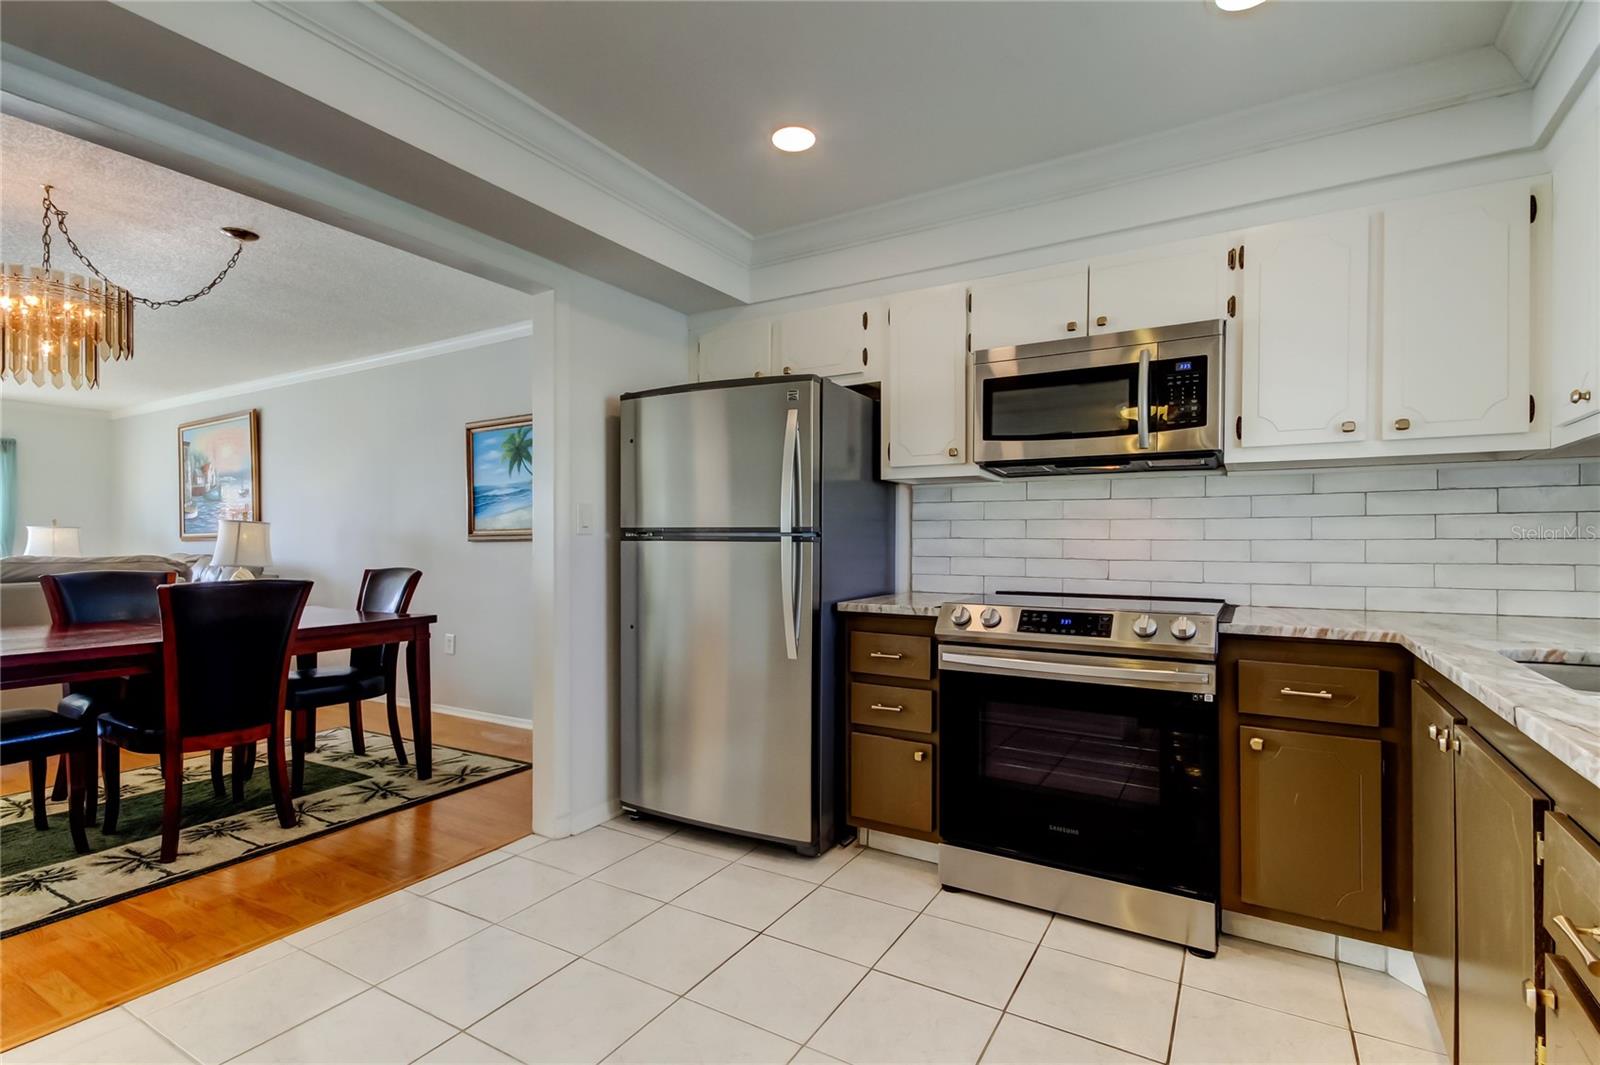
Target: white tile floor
x: 637, y: 943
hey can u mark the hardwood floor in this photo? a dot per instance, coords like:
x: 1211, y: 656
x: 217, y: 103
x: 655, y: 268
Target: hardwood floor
x: 79, y: 966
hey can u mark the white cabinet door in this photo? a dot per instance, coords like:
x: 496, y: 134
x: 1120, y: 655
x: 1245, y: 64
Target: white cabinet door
x: 1455, y: 314
x: 1573, y: 389
x: 1029, y: 310
x: 1303, y: 323
x: 925, y: 387
x: 738, y: 349
x: 845, y: 340
x: 1167, y: 288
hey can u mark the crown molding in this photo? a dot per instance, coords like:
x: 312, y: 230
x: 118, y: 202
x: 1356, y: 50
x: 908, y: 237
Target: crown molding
x: 1531, y: 31
x: 447, y: 346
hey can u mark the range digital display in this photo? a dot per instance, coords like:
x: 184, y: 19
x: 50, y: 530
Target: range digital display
x: 1065, y: 623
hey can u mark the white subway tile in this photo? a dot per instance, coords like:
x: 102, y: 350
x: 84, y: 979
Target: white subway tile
x: 1105, y: 548
x: 989, y: 566
x: 1577, y: 497
x: 1589, y: 473
x: 1081, y: 529
x: 1158, y: 487
x: 1377, y: 479
x: 985, y: 493
x: 1308, y: 596
x: 1201, y: 550
x: 1550, y: 604
x: 1526, y: 578
x: 1258, y: 484
x: 930, y: 493
x: 1430, y: 550
x: 1333, y: 503
x: 1258, y: 528
x: 991, y: 585
x: 1237, y: 594
x: 1372, y: 574
x: 1076, y: 568
x: 987, y: 529
x: 933, y: 582
x: 1202, y: 507
x: 1028, y: 508
x: 1506, y: 475
x: 1431, y: 600
x: 928, y: 530
x: 1549, y: 552
x: 938, y: 546
x: 1308, y: 551
x: 1158, y: 571
x: 1258, y: 572
x: 1164, y: 529
x: 1504, y: 526
x: 1454, y: 501
x: 945, y: 511
x: 1076, y: 587
x: 1071, y: 488
x: 1387, y: 527
x: 930, y: 564
x: 1588, y: 578
x: 1106, y: 508
x: 1023, y: 548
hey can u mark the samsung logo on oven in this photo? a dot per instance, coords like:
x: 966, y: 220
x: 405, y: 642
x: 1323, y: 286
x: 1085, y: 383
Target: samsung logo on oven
x: 1065, y: 830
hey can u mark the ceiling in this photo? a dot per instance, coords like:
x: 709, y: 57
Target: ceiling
x: 306, y: 295
x: 911, y: 97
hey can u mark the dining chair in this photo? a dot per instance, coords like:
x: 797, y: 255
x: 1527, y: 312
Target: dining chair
x: 371, y: 673
x: 225, y: 664
x: 92, y: 597
x: 32, y: 735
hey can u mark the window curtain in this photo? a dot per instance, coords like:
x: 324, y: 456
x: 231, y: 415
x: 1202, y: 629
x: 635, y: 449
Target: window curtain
x: 8, y: 494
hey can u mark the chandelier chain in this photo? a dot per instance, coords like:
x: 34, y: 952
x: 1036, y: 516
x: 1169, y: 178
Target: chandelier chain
x: 60, y: 216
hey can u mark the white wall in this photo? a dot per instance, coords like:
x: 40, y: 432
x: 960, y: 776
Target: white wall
x: 368, y: 469
x: 63, y: 470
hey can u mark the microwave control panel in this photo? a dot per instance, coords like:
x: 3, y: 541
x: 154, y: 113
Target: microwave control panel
x: 1065, y: 623
x: 1178, y: 392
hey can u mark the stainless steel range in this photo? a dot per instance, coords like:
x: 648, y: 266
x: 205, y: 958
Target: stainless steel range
x: 1078, y: 747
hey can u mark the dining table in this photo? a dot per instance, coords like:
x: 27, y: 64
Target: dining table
x: 49, y: 654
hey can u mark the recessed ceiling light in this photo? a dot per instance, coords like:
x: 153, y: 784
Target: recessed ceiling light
x: 795, y: 138
x: 1238, y: 5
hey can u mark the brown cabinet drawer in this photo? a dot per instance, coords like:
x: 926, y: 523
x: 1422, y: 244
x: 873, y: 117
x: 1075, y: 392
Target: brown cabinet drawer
x: 1309, y: 693
x: 1311, y: 825
x: 1572, y: 1020
x: 878, y: 705
x: 891, y: 781
x: 1572, y: 893
x: 889, y: 654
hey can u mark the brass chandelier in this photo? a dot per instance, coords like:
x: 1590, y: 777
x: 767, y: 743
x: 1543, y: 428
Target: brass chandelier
x: 57, y: 327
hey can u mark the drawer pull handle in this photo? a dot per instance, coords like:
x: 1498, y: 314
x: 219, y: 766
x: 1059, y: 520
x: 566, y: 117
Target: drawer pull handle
x: 917, y: 756
x: 1576, y: 934
x: 1305, y: 695
x: 895, y: 656
x: 1257, y: 743
x: 890, y: 709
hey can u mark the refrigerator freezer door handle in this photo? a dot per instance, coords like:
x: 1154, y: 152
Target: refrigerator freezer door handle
x: 786, y: 561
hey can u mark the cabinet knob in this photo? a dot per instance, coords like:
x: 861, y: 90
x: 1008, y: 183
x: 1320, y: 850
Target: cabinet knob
x: 917, y: 756
x: 1100, y: 320
x: 1257, y: 743
x: 1580, y: 395
x: 788, y: 370
x: 1433, y: 732
x: 1347, y: 427
x: 954, y: 452
x: 761, y: 373
x: 1444, y: 739
x: 1072, y: 327
x: 1402, y: 424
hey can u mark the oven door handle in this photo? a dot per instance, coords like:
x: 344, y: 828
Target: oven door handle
x: 982, y: 663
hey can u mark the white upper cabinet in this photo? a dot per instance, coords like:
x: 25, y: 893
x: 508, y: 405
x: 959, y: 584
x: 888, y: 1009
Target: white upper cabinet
x: 846, y: 340
x: 738, y: 349
x: 1456, y: 328
x: 1573, y: 383
x: 1303, y: 325
x: 925, y: 385
x: 1029, y: 310
x: 1184, y: 283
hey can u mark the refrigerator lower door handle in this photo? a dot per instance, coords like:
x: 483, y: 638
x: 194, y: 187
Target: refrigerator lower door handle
x: 786, y: 560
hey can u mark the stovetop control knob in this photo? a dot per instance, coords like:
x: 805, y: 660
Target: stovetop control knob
x: 990, y: 618
x: 961, y: 617
x: 1183, y: 628
x: 1144, y: 626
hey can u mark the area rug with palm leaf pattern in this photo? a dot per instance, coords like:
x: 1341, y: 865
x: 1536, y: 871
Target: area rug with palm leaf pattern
x: 43, y: 879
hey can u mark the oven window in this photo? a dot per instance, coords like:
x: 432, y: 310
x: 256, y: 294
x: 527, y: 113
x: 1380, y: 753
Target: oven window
x: 1095, y: 401
x: 1110, y: 757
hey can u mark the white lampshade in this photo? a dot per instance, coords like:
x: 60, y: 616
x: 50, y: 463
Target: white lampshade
x: 60, y: 541
x: 243, y: 543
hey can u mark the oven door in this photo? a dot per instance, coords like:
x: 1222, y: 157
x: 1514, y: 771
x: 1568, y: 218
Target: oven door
x: 1097, y: 774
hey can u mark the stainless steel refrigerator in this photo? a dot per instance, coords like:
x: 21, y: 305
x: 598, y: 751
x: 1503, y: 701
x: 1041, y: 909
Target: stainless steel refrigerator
x: 748, y: 509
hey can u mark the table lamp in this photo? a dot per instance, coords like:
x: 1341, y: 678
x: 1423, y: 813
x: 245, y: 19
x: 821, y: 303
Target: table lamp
x: 242, y: 544
x: 60, y: 541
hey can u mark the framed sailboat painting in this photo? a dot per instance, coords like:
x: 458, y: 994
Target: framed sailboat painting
x: 500, y: 479
x: 219, y: 473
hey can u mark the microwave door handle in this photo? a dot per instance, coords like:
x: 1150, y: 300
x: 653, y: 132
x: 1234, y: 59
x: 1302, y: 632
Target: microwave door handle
x: 1144, y: 399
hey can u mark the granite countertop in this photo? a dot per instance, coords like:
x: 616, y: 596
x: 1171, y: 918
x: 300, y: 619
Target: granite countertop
x: 1481, y: 654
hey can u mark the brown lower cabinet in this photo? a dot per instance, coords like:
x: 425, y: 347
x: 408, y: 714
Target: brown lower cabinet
x: 891, y: 781
x: 1571, y: 1020
x: 892, y: 698
x: 1433, y: 857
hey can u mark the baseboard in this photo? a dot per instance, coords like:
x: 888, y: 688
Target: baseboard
x: 905, y: 846
x: 476, y: 715
x: 1397, y: 963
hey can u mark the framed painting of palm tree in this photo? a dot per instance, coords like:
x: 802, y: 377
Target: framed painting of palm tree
x: 500, y: 479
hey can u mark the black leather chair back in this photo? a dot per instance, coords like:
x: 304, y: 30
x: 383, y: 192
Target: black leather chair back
x: 226, y: 651
x: 384, y: 591
x: 103, y: 595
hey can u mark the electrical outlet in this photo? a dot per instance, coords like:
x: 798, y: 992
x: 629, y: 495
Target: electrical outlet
x: 449, y: 643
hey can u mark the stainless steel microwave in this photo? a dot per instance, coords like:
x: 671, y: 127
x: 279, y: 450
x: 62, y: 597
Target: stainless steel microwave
x: 1146, y: 399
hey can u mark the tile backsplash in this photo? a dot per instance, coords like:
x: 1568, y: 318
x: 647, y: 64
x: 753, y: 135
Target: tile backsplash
x: 1465, y: 538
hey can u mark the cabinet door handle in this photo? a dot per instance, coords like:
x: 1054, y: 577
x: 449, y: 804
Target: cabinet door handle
x: 1257, y: 743
x: 788, y: 370
x: 1100, y: 320
x: 1305, y: 695
x: 1402, y: 424
x: 1433, y: 732
x: 1580, y: 395
x: 1444, y: 739
x: 890, y: 709
x: 1072, y: 327
x: 896, y: 656
x: 955, y: 452
x: 1576, y: 934
x: 1347, y: 427
x: 917, y: 756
